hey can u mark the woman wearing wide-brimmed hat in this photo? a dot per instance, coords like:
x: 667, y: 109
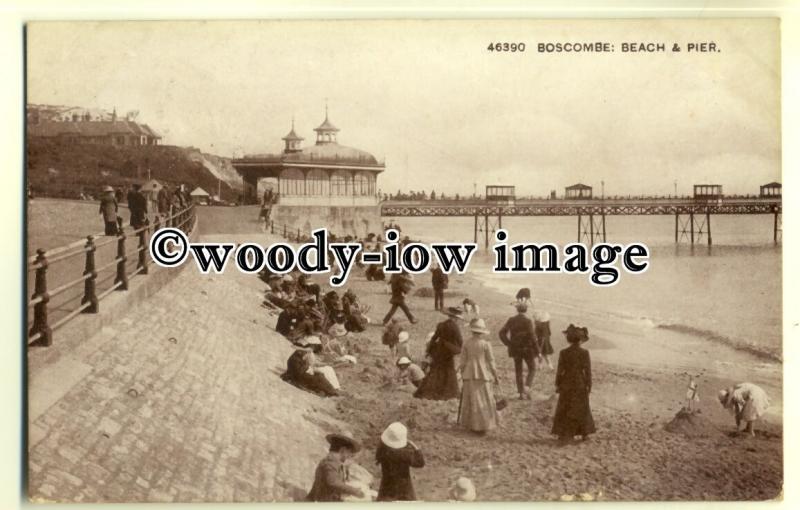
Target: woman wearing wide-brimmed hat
x: 301, y: 370
x: 109, y: 208
x: 747, y: 402
x: 396, y: 456
x: 478, y: 411
x: 330, y: 477
x: 573, y: 384
x: 441, y: 381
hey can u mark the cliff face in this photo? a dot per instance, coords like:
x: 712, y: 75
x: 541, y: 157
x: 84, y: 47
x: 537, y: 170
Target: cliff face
x: 59, y: 169
x: 220, y: 167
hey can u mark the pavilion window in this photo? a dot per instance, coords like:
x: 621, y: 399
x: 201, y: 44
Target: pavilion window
x: 292, y: 182
x: 339, y: 185
x: 361, y: 184
x: 317, y: 183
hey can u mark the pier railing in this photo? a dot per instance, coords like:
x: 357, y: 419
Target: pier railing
x: 81, y: 274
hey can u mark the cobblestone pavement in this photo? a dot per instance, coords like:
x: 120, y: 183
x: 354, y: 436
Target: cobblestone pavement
x: 180, y: 400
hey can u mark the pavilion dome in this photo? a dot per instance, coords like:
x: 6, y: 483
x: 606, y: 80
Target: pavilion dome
x: 333, y: 153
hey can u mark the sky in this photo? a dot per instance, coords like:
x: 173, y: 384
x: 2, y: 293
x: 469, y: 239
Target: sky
x: 444, y: 112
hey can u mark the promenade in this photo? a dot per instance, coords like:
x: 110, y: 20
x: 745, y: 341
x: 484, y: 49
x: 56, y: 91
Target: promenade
x: 179, y: 400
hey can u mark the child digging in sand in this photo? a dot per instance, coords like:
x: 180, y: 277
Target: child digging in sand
x: 747, y: 402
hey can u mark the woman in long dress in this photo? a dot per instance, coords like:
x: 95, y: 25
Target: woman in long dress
x: 747, y: 402
x: 478, y: 372
x: 573, y: 384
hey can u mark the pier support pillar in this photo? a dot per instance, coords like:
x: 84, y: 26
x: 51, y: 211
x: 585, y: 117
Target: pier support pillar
x: 475, y: 230
x: 708, y: 227
x: 676, y: 227
x: 579, y: 227
x: 691, y: 226
x: 776, y: 226
x: 591, y: 229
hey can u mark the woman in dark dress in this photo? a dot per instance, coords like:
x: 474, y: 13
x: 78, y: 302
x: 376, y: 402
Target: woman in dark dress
x: 441, y: 382
x: 299, y: 369
x: 573, y: 384
x: 396, y: 456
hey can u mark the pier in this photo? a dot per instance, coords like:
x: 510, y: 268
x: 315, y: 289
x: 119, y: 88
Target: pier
x: 692, y: 215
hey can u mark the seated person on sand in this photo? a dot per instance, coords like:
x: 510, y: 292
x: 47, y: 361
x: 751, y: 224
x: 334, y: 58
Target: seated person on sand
x: 409, y: 372
x: 330, y: 477
x: 747, y: 402
x: 391, y: 336
x: 303, y: 371
x: 355, y: 320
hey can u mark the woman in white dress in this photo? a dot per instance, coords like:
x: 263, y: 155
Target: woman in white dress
x: 478, y: 409
x: 746, y: 401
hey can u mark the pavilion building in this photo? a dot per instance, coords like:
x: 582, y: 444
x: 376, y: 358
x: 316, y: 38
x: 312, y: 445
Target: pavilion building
x: 325, y: 184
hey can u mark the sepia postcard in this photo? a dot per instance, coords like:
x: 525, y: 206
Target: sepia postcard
x: 403, y: 260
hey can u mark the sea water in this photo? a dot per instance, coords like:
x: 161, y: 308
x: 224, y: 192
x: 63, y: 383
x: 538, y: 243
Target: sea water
x: 729, y: 292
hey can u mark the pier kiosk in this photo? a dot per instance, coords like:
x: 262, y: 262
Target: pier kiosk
x: 323, y: 185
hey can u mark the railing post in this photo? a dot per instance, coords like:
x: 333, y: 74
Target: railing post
x: 121, y: 277
x: 142, y: 264
x: 157, y: 224
x: 298, y: 235
x: 169, y: 221
x: 284, y: 230
x: 271, y: 227
x: 89, y: 285
x: 40, y: 309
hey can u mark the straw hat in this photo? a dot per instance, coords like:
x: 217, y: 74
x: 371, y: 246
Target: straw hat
x: 345, y: 439
x: 108, y: 188
x: 395, y: 435
x: 456, y: 313
x: 541, y: 316
x: 478, y: 326
x: 463, y: 490
x: 402, y: 337
x: 403, y: 361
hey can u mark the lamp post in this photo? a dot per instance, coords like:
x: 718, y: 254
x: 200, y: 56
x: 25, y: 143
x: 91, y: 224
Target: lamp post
x: 675, y: 183
x: 602, y: 190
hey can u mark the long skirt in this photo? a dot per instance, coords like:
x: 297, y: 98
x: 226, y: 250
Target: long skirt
x: 547, y: 347
x: 330, y: 375
x: 441, y: 382
x: 478, y: 406
x: 573, y: 415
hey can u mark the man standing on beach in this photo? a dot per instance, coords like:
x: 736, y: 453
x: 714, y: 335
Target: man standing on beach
x: 519, y: 336
x: 439, y: 282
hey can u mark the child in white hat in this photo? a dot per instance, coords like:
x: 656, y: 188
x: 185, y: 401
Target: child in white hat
x: 396, y: 456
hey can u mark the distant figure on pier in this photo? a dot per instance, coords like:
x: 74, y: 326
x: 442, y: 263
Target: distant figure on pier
x: 573, y: 383
x: 441, y: 382
x: 747, y: 402
x: 109, y: 208
x: 519, y: 335
x: 401, y: 284
x: 439, y: 281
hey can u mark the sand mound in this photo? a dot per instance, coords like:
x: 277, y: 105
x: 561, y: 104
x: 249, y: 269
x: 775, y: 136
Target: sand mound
x: 691, y: 424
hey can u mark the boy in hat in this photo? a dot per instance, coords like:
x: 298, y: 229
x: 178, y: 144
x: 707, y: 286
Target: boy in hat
x: 409, y: 371
x: 330, y: 477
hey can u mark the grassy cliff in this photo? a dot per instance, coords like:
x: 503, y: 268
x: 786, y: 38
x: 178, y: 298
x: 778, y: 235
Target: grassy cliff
x: 65, y: 170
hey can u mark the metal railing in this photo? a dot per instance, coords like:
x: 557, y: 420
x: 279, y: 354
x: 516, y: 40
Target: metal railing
x: 66, y: 260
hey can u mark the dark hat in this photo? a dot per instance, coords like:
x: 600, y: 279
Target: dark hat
x: 338, y: 440
x: 576, y: 334
x: 456, y: 313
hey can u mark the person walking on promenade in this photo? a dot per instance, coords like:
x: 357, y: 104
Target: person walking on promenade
x: 330, y: 477
x: 478, y: 409
x: 137, y: 204
x: 519, y: 336
x: 441, y: 381
x: 396, y: 456
x: 439, y: 281
x: 400, y: 284
x: 541, y: 321
x: 109, y: 208
x: 164, y: 200
x: 747, y: 402
x: 573, y: 383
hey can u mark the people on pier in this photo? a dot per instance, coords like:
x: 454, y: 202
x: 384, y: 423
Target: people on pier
x: 747, y: 402
x: 573, y: 383
x: 541, y: 321
x: 109, y: 208
x: 439, y: 281
x: 408, y: 371
x: 519, y: 336
x: 400, y: 285
x: 477, y: 408
x: 331, y: 475
x: 441, y: 381
x: 396, y: 455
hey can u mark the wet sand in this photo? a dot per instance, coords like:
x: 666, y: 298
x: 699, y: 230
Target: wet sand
x: 640, y: 380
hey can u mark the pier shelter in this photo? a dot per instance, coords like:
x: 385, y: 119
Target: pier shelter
x: 578, y: 191
x: 708, y: 191
x: 771, y: 190
x: 322, y: 185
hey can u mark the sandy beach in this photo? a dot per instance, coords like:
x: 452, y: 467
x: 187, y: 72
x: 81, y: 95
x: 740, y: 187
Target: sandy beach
x: 640, y: 378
